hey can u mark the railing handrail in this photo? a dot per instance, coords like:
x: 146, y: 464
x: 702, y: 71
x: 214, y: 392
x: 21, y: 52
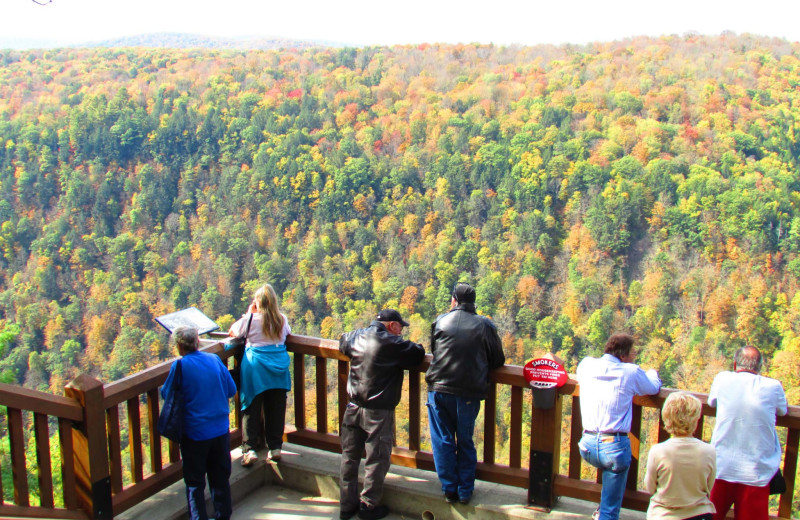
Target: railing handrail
x: 513, y: 375
x: 15, y: 396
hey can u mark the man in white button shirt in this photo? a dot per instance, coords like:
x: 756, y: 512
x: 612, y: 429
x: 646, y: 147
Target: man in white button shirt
x: 748, y: 449
x: 608, y: 385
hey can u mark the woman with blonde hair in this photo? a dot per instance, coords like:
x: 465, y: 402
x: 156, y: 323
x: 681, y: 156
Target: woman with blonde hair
x: 681, y: 470
x: 265, y: 377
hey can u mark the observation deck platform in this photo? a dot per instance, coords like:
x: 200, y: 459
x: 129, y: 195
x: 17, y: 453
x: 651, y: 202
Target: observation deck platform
x: 305, y: 485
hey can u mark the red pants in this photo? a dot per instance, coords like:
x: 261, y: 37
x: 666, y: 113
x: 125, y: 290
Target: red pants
x: 749, y: 502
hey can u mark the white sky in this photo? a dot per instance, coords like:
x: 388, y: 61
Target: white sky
x: 368, y: 22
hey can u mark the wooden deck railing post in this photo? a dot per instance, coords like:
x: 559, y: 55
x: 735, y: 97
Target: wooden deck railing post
x: 92, y: 478
x: 545, y: 454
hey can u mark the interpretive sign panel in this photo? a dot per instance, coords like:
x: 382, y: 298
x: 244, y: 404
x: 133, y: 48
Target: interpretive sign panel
x: 191, y: 317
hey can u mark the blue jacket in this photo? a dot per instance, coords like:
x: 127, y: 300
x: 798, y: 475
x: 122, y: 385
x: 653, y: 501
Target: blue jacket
x: 206, y: 386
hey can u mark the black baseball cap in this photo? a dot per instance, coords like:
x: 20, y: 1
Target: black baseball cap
x: 464, y: 293
x: 392, y: 315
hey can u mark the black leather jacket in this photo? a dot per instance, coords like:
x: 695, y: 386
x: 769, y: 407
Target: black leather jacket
x: 377, y: 360
x: 465, y: 346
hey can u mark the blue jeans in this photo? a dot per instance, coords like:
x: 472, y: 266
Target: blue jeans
x: 452, y: 423
x: 611, y: 454
x: 210, y: 458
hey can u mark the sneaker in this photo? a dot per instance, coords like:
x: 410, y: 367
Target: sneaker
x: 451, y: 497
x: 275, y: 455
x: 372, y: 513
x: 464, y: 500
x: 596, y: 514
x: 249, y: 458
x: 347, y: 515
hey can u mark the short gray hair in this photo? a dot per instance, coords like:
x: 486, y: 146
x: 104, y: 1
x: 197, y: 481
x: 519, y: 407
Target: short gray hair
x: 186, y: 338
x: 748, y: 358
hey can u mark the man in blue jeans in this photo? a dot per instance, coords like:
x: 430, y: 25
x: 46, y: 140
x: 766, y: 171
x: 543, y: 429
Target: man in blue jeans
x: 607, y: 387
x: 465, y: 346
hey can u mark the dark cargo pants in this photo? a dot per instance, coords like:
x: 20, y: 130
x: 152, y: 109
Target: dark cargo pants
x: 374, y: 430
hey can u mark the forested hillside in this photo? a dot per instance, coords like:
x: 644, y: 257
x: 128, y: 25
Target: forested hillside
x: 648, y: 185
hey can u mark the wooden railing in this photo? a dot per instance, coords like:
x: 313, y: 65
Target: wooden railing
x: 101, y: 479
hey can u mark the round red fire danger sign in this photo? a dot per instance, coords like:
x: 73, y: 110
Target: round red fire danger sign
x: 545, y: 373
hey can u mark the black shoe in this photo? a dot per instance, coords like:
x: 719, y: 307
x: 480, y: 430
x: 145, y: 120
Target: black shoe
x: 451, y: 497
x: 373, y: 513
x: 347, y: 515
x: 464, y: 500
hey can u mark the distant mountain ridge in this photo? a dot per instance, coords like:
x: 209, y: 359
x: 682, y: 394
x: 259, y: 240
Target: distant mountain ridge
x: 167, y: 40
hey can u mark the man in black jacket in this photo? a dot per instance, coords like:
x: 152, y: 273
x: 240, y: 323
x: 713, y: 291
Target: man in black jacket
x: 378, y: 357
x: 465, y: 346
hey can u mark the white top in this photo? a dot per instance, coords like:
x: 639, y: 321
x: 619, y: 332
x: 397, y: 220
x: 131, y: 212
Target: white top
x: 680, y: 474
x: 255, y: 336
x: 748, y: 449
x: 607, y: 389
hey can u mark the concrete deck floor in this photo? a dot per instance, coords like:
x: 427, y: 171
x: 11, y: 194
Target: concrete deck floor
x: 304, y: 485
x: 279, y: 503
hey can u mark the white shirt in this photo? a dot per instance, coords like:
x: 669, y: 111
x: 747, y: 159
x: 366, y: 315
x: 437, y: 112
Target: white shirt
x: 255, y: 335
x: 607, y: 389
x: 748, y: 449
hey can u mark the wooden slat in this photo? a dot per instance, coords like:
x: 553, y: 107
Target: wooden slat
x: 515, y: 446
x: 663, y: 434
x: 237, y: 399
x: 11, y: 511
x: 341, y: 384
x: 698, y: 431
x: 135, y: 439
x: 489, y: 423
x: 18, y: 470
x: 67, y: 466
x: 414, y: 419
x: 789, y: 473
x: 299, y: 392
x: 2, y: 500
x: 322, y: 394
x: 635, y: 437
x: 174, y: 451
x: 575, y: 434
x: 152, y: 425
x: 42, y: 436
x: 114, y: 448
x: 136, y: 493
x: 14, y: 396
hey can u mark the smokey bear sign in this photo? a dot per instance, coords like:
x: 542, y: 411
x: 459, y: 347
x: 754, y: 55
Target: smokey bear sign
x: 544, y: 373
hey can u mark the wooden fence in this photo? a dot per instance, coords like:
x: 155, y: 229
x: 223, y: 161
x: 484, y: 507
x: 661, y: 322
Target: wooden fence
x: 99, y: 479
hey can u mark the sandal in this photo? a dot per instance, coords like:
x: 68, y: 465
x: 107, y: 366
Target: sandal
x: 249, y: 458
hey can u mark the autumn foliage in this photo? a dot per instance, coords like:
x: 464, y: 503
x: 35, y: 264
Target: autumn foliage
x: 647, y: 185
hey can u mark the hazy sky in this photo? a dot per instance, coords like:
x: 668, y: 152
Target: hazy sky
x: 365, y: 22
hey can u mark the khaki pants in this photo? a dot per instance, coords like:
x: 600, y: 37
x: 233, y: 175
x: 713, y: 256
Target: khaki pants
x: 373, y: 430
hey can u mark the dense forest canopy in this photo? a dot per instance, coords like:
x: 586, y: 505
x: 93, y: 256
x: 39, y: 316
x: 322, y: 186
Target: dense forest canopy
x: 648, y: 185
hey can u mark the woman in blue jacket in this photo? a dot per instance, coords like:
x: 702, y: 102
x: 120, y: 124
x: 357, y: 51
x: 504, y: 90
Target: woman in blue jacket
x: 206, y: 386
